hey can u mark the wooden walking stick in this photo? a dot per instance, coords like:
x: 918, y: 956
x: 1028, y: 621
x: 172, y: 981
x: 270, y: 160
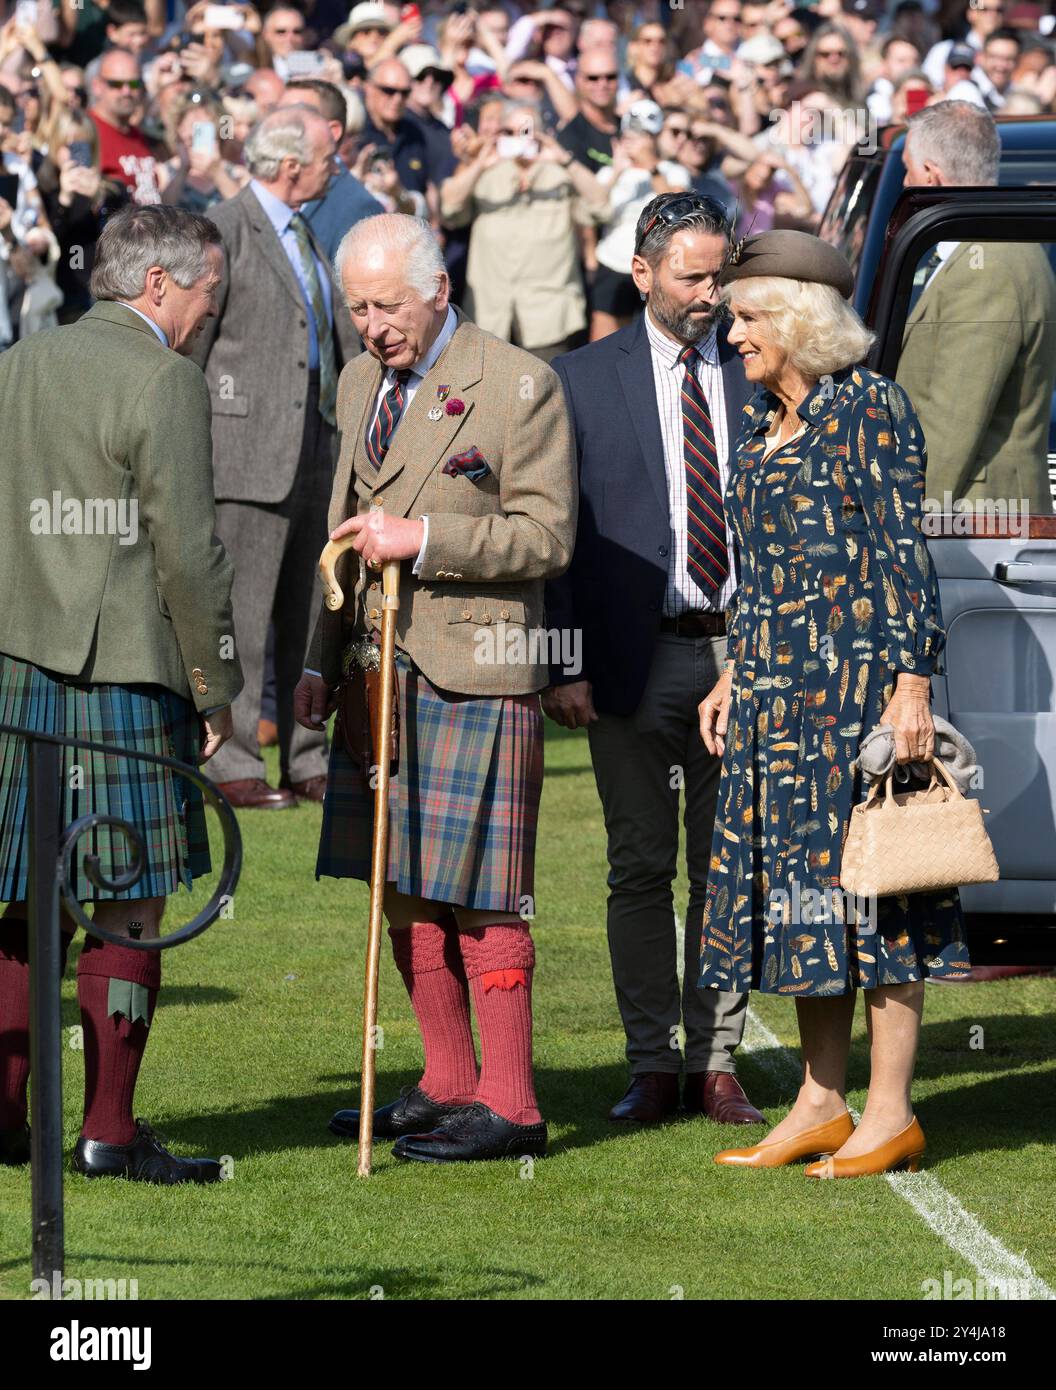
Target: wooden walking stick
x: 390, y: 585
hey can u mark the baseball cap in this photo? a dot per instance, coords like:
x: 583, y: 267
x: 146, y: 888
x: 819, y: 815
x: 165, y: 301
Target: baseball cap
x: 421, y: 57
x: 961, y: 55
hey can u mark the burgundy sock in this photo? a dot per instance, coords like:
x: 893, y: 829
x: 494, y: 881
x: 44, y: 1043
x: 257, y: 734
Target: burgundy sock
x: 14, y: 1019
x: 113, y: 1045
x: 430, y: 962
x: 499, y: 961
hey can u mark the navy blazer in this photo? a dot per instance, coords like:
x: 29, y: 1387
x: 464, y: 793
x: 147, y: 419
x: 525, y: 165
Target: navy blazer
x: 613, y: 591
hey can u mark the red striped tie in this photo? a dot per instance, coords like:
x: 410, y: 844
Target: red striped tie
x: 706, y: 554
x: 379, y: 435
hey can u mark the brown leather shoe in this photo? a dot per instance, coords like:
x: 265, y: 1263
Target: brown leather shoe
x: 312, y: 790
x: 718, y: 1095
x: 267, y: 733
x: 651, y: 1098
x: 254, y: 794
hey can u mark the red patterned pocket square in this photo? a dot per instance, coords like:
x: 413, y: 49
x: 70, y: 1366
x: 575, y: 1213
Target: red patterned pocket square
x: 471, y: 464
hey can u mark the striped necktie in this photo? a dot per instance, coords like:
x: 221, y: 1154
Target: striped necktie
x: 706, y: 555
x: 379, y: 434
x: 323, y: 326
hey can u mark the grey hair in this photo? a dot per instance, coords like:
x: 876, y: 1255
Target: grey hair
x: 423, y: 263
x: 137, y: 238
x: 814, y: 324
x: 959, y: 138
x: 282, y: 134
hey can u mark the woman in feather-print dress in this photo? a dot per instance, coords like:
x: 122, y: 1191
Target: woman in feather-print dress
x: 837, y: 608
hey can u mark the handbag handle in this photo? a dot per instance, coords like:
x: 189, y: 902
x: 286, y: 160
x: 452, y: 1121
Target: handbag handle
x: 888, y: 782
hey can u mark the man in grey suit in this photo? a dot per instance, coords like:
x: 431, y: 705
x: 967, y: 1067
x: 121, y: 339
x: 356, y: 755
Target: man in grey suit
x: 272, y: 358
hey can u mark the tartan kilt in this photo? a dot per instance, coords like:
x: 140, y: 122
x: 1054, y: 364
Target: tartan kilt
x: 463, y: 804
x: 166, y: 809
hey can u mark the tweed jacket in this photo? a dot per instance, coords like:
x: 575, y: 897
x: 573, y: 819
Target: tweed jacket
x: 255, y: 356
x: 473, y: 619
x: 109, y: 568
x: 979, y: 364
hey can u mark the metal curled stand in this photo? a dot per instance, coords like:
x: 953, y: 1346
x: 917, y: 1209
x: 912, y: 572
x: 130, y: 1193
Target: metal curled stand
x: 51, y: 859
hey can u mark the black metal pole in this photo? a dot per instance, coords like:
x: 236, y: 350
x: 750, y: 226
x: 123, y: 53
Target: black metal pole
x: 45, y: 1018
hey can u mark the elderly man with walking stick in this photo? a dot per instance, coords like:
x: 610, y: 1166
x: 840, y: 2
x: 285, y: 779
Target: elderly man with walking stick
x: 457, y: 462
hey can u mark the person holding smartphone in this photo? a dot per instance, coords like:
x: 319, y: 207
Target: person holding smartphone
x: 197, y: 177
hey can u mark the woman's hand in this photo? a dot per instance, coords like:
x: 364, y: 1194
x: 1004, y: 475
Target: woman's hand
x: 714, y: 712
x: 909, y: 713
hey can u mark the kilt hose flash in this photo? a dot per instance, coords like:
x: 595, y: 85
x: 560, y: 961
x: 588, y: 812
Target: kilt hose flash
x: 166, y: 809
x: 463, y: 805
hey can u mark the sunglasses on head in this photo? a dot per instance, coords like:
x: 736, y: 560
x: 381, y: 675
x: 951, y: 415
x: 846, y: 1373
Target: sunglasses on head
x: 678, y: 210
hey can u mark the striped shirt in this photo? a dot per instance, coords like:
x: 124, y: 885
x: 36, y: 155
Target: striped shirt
x: 683, y: 594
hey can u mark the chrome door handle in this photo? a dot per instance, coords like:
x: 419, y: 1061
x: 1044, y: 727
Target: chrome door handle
x: 1023, y: 572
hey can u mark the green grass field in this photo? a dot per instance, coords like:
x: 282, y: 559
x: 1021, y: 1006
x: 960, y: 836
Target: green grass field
x: 256, y: 1042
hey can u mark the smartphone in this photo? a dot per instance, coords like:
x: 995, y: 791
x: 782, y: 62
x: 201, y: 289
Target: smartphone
x: 409, y: 12
x: 203, y: 137
x: 9, y: 188
x: 916, y: 101
x: 516, y: 147
x: 305, y: 62
x: 80, y: 153
x: 26, y: 13
x: 222, y: 17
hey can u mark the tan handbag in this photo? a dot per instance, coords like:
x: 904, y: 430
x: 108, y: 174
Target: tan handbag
x: 916, y: 841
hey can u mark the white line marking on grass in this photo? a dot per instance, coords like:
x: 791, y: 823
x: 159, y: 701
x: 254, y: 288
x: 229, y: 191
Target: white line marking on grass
x: 933, y: 1203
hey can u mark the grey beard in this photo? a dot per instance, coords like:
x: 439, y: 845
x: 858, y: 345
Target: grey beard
x: 682, y: 324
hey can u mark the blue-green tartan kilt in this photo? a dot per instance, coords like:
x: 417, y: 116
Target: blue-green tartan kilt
x: 463, y: 805
x: 166, y: 809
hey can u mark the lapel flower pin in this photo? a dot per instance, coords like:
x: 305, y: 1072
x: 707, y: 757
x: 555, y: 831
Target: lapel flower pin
x: 454, y: 406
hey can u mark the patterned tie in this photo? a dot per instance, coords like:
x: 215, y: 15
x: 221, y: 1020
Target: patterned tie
x: 323, y: 327
x: 379, y: 435
x: 705, y: 526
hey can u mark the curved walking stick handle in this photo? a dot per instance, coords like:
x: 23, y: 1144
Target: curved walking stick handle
x: 332, y: 552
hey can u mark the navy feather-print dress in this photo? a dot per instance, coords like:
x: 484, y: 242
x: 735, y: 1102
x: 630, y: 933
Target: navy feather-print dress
x: 837, y: 595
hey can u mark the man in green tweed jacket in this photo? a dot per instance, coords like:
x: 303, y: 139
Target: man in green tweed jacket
x: 115, y: 627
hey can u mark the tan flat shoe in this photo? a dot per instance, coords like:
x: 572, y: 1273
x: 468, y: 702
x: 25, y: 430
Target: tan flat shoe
x: 809, y: 1143
x: 903, y: 1151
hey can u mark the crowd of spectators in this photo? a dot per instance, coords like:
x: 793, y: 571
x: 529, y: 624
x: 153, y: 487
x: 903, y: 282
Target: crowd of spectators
x: 530, y: 137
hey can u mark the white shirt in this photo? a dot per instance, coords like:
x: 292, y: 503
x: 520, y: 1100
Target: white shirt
x: 628, y: 195
x: 683, y: 594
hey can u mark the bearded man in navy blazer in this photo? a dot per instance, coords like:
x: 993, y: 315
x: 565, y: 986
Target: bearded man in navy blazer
x: 656, y: 410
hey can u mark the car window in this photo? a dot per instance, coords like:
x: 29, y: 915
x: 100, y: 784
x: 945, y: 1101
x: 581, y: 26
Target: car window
x: 847, y: 215
x: 978, y: 362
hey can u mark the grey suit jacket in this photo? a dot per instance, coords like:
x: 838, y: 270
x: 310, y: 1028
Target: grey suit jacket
x: 978, y: 362
x: 255, y: 356
x: 102, y: 422
x: 468, y: 620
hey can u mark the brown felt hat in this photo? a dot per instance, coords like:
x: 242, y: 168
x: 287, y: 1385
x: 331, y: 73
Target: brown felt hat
x: 791, y: 255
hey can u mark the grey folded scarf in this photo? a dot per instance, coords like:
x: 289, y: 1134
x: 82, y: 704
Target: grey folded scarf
x: 876, y: 755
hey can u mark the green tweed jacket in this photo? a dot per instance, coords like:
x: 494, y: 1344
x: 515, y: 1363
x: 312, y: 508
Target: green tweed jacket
x: 109, y: 568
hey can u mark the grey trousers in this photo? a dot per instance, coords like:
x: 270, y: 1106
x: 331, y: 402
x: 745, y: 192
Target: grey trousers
x: 641, y: 764
x: 275, y: 551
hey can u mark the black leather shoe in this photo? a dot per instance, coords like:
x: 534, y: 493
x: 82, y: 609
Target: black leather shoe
x: 651, y: 1098
x: 475, y: 1132
x: 14, y: 1146
x: 413, y: 1113
x: 144, y: 1160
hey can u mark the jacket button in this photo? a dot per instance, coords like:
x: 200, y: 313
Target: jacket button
x: 298, y: 405
x: 373, y: 586
x: 203, y: 689
x: 196, y: 673
x: 662, y: 551
x: 505, y: 613
x: 485, y: 617
x: 466, y: 615
x: 302, y: 364
x: 439, y: 574
x: 377, y: 501
x: 375, y: 613
x: 456, y: 576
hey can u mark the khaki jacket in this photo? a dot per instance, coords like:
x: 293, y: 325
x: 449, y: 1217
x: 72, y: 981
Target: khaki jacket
x: 109, y: 568
x: 468, y: 620
x: 979, y: 364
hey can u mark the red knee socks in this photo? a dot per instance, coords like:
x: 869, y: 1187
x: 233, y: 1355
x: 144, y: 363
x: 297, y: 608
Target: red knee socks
x: 429, y: 960
x: 113, y: 1043
x: 14, y: 1019
x: 499, y: 961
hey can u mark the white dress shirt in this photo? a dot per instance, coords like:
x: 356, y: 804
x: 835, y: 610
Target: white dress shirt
x: 162, y: 335
x: 683, y: 594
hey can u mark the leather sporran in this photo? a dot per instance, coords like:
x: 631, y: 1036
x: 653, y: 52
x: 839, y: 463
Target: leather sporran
x: 358, y: 701
x: 916, y: 841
